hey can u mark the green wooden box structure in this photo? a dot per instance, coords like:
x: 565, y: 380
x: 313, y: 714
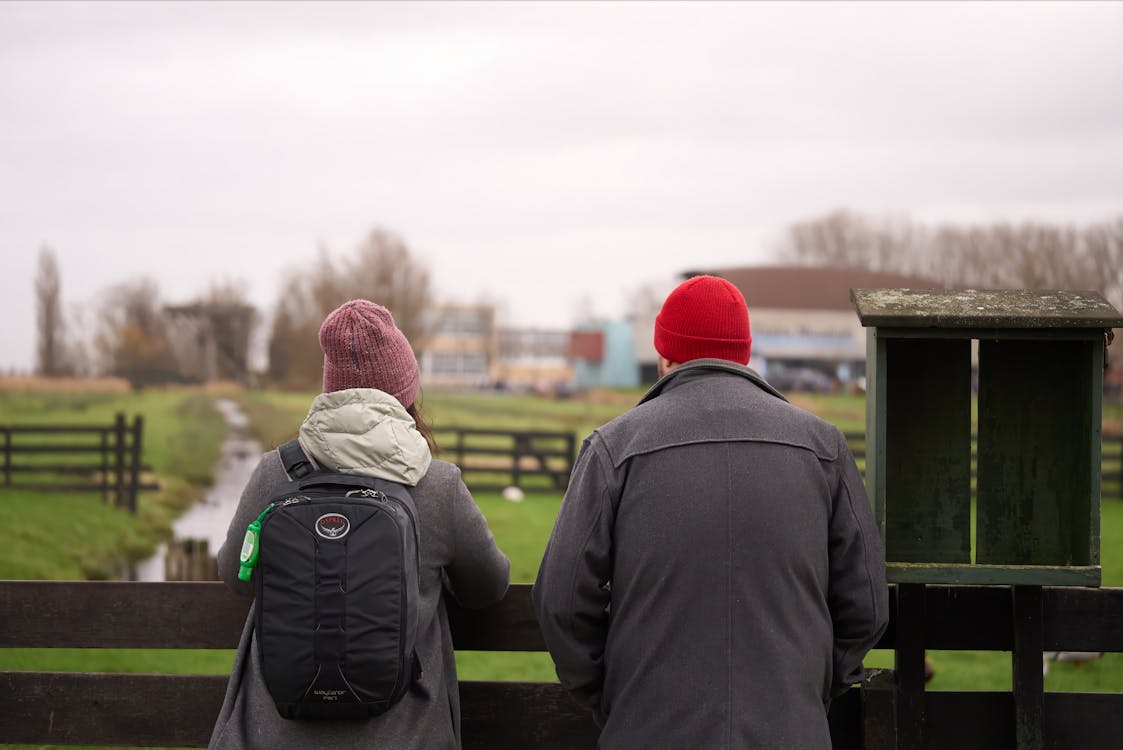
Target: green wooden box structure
x: 1036, y: 489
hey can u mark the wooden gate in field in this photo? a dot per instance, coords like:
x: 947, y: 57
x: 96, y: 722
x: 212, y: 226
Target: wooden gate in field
x: 491, y: 460
x: 77, y: 458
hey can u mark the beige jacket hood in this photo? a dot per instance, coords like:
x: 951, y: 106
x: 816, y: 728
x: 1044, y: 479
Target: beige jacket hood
x: 365, y: 431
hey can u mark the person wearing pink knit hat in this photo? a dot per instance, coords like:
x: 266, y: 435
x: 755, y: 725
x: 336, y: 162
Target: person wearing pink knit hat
x: 366, y: 421
x: 715, y: 574
x: 363, y: 348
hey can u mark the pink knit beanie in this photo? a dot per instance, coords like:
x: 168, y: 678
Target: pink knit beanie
x: 704, y: 316
x: 364, y: 349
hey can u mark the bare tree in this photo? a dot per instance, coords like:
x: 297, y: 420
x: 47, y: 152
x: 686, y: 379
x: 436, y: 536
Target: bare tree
x: 382, y: 270
x: 846, y: 239
x: 294, y: 350
x: 51, y: 355
x: 307, y: 295
x: 132, y: 339
x: 1029, y: 255
x: 81, y: 330
x: 1104, y: 245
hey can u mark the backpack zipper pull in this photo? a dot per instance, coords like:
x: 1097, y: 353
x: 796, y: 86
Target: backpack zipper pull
x: 250, y: 546
x: 368, y: 493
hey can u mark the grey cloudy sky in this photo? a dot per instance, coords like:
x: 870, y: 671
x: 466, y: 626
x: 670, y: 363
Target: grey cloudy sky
x: 534, y: 154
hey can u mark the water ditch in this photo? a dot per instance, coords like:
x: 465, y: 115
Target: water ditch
x: 201, y: 530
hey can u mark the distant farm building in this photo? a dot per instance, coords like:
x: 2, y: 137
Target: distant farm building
x: 801, y: 318
x: 211, y: 341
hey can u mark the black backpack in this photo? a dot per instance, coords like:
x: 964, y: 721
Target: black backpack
x: 334, y: 558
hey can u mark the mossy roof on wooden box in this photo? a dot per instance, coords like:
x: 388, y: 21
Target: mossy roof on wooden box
x: 979, y: 308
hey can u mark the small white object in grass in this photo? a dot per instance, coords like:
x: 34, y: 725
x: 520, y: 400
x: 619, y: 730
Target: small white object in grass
x: 513, y: 494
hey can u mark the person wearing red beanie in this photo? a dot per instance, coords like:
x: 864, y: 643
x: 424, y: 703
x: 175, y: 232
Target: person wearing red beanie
x: 715, y: 575
x: 704, y: 317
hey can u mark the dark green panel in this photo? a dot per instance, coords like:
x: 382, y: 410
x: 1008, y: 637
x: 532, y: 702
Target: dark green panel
x: 927, y: 449
x: 875, y: 426
x: 1035, y: 452
x: 989, y: 575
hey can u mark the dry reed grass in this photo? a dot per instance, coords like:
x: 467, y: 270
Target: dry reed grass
x: 40, y: 384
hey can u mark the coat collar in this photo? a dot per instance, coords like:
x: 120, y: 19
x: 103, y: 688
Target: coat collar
x: 698, y: 367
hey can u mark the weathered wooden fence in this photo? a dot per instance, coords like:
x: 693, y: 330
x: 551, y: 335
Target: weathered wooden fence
x: 539, y: 460
x: 77, y: 458
x: 190, y: 560
x: 179, y: 710
x: 1111, y: 460
x: 495, y: 459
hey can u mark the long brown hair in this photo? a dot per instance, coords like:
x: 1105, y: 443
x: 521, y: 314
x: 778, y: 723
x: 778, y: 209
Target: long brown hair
x: 423, y: 426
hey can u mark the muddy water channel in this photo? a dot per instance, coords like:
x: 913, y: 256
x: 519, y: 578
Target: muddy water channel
x: 206, y: 521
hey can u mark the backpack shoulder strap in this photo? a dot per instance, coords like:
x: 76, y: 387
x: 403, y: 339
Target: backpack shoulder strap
x: 296, y: 462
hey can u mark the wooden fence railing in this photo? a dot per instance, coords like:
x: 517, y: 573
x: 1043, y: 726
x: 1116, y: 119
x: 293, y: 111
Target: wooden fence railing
x: 539, y: 460
x: 1111, y: 460
x: 77, y: 458
x: 179, y: 710
x: 495, y: 459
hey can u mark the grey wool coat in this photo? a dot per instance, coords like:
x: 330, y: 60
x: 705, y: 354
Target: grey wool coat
x: 715, y: 574
x: 366, y: 431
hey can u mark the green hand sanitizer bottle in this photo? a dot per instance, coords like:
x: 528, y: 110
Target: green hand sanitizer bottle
x: 250, y: 545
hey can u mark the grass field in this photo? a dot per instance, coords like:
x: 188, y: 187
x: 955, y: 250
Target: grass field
x: 74, y: 536
x: 69, y: 537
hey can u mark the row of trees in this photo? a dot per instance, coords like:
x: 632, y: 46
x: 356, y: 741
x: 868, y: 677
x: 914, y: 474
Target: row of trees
x: 132, y: 333
x: 127, y: 332
x: 1031, y: 255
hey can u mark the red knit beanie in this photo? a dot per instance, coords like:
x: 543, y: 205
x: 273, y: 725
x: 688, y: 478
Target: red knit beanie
x: 704, y: 316
x: 364, y: 349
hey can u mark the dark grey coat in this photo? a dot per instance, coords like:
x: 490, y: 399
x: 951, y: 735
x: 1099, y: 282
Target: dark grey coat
x: 715, y: 574
x: 458, y: 555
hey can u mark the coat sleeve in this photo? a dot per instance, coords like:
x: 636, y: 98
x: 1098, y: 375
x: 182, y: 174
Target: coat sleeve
x: 253, y: 500
x: 858, y: 595
x: 479, y: 572
x: 572, y: 591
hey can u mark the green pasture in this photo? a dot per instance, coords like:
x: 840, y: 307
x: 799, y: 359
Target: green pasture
x: 76, y: 536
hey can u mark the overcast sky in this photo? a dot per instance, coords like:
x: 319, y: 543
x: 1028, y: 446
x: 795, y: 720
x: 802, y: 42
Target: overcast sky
x: 539, y: 155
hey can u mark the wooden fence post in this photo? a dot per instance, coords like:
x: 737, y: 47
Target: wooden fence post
x: 7, y: 457
x: 134, y: 461
x: 119, y: 433
x: 520, y: 449
x: 1029, y: 679
x: 879, y: 711
x: 104, y: 443
x: 911, y: 617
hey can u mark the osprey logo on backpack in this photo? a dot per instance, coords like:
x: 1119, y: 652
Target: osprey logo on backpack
x: 332, y: 526
x: 336, y: 624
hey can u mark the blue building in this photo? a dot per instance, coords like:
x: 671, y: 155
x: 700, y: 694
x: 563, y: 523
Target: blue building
x: 603, y: 355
